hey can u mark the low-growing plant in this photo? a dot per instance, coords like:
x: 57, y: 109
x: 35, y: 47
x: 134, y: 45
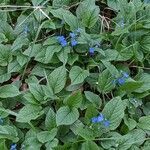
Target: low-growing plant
x: 74, y: 75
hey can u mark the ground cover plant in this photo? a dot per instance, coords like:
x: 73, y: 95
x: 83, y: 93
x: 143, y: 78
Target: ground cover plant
x: 74, y: 75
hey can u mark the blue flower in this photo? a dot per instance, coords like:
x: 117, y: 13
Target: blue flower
x: 121, y: 80
x: 106, y: 123
x: 74, y: 42
x: 100, y: 117
x: 91, y: 50
x: 60, y: 38
x: 94, y: 120
x: 1, y: 121
x: 72, y: 34
x: 13, y: 147
x: 78, y: 30
x: 125, y: 74
x: 26, y: 29
x: 121, y: 23
x: 62, y: 41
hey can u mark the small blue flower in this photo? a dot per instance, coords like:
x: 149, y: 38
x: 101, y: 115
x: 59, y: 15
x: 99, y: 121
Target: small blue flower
x: 74, y: 42
x: 1, y: 121
x: 78, y: 30
x: 26, y: 29
x: 121, y: 23
x: 121, y: 80
x: 94, y: 120
x: 72, y: 34
x: 125, y: 74
x: 60, y: 38
x: 106, y: 123
x: 62, y: 41
x: 13, y: 147
x: 100, y: 117
x: 91, y: 50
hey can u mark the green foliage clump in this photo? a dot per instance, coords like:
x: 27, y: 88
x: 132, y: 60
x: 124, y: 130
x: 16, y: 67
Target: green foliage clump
x: 74, y: 75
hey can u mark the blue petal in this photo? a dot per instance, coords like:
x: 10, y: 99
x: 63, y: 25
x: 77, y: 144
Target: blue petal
x: 94, y: 120
x: 78, y: 30
x: 100, y: 118
x: 73, y: 35
x: 121, y: 23
x: 60, y: 38
x: 106, y: 123
x: 121, y: 80
x: 13, y: 147
x: 63, y: 43
x: 125, y: 74
x: 74, y: 42
x: 91, y: 50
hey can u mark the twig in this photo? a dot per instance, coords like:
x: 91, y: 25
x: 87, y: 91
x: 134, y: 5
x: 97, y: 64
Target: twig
x: 140, y: 67
x: 16, y: 6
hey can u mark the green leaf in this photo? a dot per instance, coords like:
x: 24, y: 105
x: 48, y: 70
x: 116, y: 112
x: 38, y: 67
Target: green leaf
x: 22, y: 59
x: 131, y: 123
x: 5, y: 55
x: 51, y: 144
x: 93, y: 98
x: 50, y: 120
x: 29, y: 112
x: 145, y: 78
x: 50, y: 52
x: 89, y: 145
x: 8, y: 132
x: 78, y: 75
x: 18, y: 44
x: 45, y: 55
x: 3, y: 145
x: 2, y: 38
x: 136, y: 136
x: 112, y: 69
x: 105, y: 82
x: 63, y: 55
x: 14, y: 66
x: 131, y: 85
x: 30, y: 98
x: 71, y: 20
x: 86, y: 133
x: 33, y: 50
x: 57, y: 79
x: 74, y: 100
x: 7, y: 30
x: 114, y: 112
x: 46, y: 136
x: 4, y: 76
x: 144, y: 122
x: 116, y: 4
x: 88, y: 13
x: 66, y: 116
x: 115, y: 55
x: 9, y: 91
x: 31, y: 142
x: 37, y: 91
x: 59, y: 3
